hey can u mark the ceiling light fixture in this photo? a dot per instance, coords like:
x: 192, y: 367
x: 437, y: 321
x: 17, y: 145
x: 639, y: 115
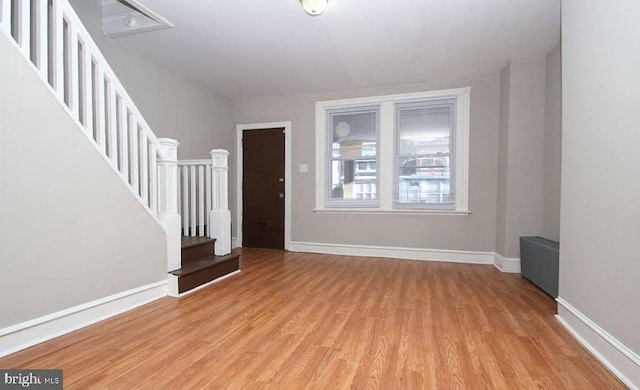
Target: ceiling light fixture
x: 130, y: 21
x: 314, y: 7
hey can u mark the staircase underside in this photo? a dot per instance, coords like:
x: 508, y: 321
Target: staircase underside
x: 200, y: 265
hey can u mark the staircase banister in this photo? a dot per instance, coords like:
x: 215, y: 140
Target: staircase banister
x: 220, y: 216
x: 194, y: 162
x: 51, y: 36
x: 168, y: 184
x: 95, y: 51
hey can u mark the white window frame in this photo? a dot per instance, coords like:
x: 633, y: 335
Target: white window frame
x: 387, y: 151
x: 351, y: 203
x: 452, y: 153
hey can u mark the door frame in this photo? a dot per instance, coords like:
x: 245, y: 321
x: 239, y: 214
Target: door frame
x: 240, y: 128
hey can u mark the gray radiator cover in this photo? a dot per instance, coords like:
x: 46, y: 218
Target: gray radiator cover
x: 539, y: 261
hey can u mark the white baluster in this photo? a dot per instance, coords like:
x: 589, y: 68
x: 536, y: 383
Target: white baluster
x: 42, y: 40
x: 5, y: 16
x: 144, y: 169
x: 123, y: 139
x: 193, y: 200
x: 99, y: 107
x: 112, y: 124
x: 185, y: 200
x: 135, y: 154
x: 168, y: 192
x: 207, y: 187
x: 201, y: 211
x: 87, y: 89
x: 72, y: 63
x: 24, y: 27
x: 57, y: 50
x: 220, y: 215
x: 153, y: 179
x: 179, y: 170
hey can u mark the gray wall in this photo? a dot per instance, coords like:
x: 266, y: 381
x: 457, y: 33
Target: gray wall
x: 503, y: 148
x: 552, y: 145
x: 521, y: 155
x: 173, y: 106
x: 475, y: 232
x: 63, y: 239
x: 600, y: 217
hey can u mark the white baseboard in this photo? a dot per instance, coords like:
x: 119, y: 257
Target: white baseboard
x: 234, y: 243
x: 615, y: 356
x: 506, y: 264
x: 26, y: 334
x: 453, y: 256
x: 173, y: 288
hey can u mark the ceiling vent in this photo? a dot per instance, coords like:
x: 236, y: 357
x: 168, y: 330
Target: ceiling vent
x: 124, y: 17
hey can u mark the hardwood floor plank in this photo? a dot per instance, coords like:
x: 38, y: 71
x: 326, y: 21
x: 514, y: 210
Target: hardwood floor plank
x: 294, y: 320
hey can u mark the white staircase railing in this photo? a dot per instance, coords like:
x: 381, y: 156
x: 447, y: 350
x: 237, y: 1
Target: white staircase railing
x: 54, y: 40
x: 52, y: 37
x: 204, y: 201
x: 195, y: 197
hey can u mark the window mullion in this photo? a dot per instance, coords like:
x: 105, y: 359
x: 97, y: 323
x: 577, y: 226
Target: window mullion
x: 386, y: 149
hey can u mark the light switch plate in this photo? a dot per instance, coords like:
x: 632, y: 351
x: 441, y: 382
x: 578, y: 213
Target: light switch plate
x: 304, y: 168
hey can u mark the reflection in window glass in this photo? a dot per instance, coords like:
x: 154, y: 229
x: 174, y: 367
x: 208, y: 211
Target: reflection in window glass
x: 353, y: 176
x: 424, y: 144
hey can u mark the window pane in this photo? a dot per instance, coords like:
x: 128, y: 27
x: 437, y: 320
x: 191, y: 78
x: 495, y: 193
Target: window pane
x: 424, y: 154
x: 354, y: 148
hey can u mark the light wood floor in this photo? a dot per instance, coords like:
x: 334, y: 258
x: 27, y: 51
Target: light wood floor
x: 303, y: 321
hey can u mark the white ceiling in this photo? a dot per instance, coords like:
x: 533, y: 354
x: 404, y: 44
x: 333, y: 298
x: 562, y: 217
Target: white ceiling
x: 259, y: 48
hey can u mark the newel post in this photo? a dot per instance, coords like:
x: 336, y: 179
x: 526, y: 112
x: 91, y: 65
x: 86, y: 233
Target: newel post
x: 168, y: 200
x: 220, y: 216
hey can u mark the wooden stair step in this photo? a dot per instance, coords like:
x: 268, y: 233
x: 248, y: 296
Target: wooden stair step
x: 204, y: 270
x: 196, y: 248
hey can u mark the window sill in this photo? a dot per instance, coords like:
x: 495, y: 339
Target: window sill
x: 390, y: 212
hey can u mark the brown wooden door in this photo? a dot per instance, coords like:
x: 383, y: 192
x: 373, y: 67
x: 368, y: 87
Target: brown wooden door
x: 263, y: 188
